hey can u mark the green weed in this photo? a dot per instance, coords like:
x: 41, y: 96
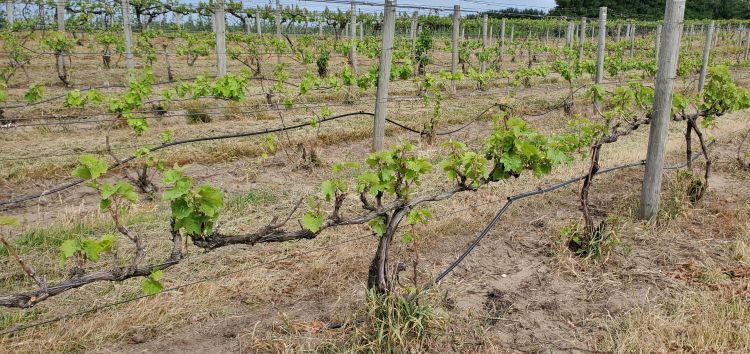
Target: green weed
x: 48, y: 238
x: 255, y: 198
x: 195, y: 113
x: 597, y: 246
x: 11, y: 318
x: 679, y: 192
x: 393, y: 324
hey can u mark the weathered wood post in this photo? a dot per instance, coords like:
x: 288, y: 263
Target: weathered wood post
x: 353, y: 37
x: 706, y: 54
x: 482, y: 64
x: 221, y: 45
x: 502, y: 39
x: 384, y: 72
x: 658, y: 41
x: 277, y: 17
x: 665, y: 76
x: 581, y: 38
x: 601, y: 45
x: 60, y: 15
x: 128, y: 34
x: 9, y: 16
x: 454, y: 43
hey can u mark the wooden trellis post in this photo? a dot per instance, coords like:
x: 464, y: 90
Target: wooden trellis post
x: 384, y: 73
x: 665, y: 76
x: 502, y: 39
x: 413, y: 32
x: 706, y: 53
x: 60, y: 15
x: 277, y: 17
x: 482, y: 64
x: 353, y: 37
x: 221, y: 45
x: 601, y: 45
x: 658, y: 41
x: 581, y: 38
x: 9, y: 17
x: 128, y: 31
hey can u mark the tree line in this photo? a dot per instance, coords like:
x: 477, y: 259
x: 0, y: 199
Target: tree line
x: 653, y: 9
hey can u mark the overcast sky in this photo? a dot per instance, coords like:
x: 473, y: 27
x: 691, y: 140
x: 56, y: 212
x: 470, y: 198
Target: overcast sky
x: 469, y: 5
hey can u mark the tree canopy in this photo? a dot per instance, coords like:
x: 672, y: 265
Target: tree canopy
x: 653, y: 9
x: 511, y: 12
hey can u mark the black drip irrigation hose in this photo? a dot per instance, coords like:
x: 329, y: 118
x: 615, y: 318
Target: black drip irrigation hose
x: 539, y: 191
x: 568, y: 98
x: 173, y: 288
x: 231, y: 136
x: 452, y: 131
x: 442, y: 275
x: 486, y: 230
x: 179, y: 142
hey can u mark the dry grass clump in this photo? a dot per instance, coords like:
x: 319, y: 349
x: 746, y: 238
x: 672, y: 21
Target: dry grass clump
x: 395, y: 323
x: 129, y: 323
x: 697, y: 322
x: 739, y: 249
x: 35, y: 170
x: 709, y: 312
x: 674, y: 199
x: 596, y: 247
x: 195, y: 113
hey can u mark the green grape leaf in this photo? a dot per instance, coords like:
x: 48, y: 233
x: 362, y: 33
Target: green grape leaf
x: 176, y: 192
x: 407, y: 237
x: 107, y: 243
x: 192, y: 225
x: 91, y: 249
x: 172, y: 176
x: 211, y: 200
x: 95, y: 96
x: 90, y: 167
x: 69, y: 247
x: 326, y: 112
x: 107, y: 190
x: 557, y: 157
x: 329, y: 190
x: 512, y: 163
x: 152, y: 286
x: 125, y: 190
x: 180, y: 209
x: 418, y: 215
x: 378, y: 225
x: 312, y: 221
x: 104, y: 204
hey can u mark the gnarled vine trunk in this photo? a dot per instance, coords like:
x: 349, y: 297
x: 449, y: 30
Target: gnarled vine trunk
x: 593, y: 169
x: 62, y: 68
x: 106, y: 58
x: 378, y: 278
x: 697, y: 190
x: 170, y: 77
